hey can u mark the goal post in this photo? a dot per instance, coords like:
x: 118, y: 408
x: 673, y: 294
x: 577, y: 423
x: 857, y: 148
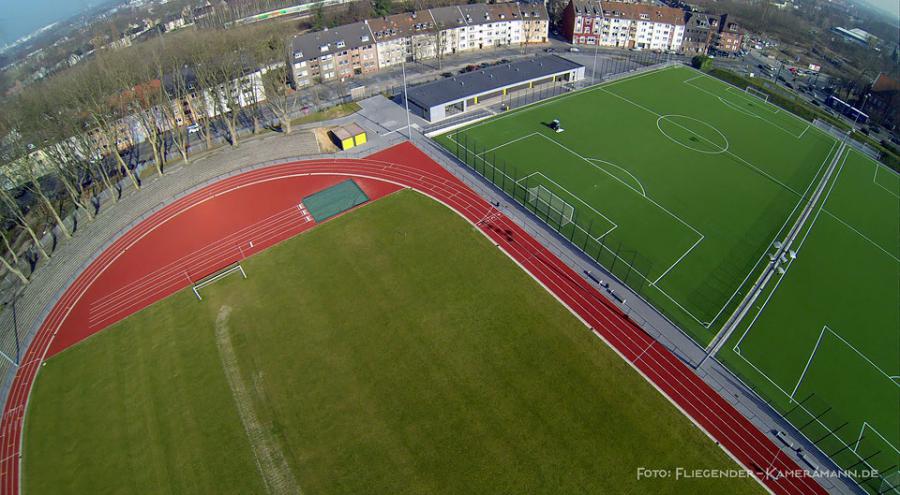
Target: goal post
x: 757, y: 93
x: 237, y: 268
x: 549, y: 204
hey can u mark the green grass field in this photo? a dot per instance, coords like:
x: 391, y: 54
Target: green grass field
x: 683, y: 180
x: 833, y: 320
x: 391, y: 350
x: 680, y: 184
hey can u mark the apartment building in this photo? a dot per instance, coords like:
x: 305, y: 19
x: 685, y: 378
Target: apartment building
x: 711, y: 32
x: 337, y: 53
x: 731, y: 38
x: 383, y: 42
x: 406, y: 36
x: 623, y: 25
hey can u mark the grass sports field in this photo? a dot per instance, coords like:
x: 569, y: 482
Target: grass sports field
x: 343, y: 365
x: 684, y: 180
x: 679, y: 184
x: 824, y: 341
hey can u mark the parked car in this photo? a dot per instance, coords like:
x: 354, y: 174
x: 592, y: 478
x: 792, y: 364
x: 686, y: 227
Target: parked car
x: 447, y: 74
x: 573, y: 49
x: 549, y: 50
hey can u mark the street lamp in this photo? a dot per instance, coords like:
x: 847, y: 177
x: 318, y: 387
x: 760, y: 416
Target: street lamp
x: 406, y: 99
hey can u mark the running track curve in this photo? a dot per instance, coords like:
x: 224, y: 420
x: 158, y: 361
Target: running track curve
x: 403, y: 165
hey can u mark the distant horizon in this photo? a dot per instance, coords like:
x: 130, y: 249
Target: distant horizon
x: 23, y: 17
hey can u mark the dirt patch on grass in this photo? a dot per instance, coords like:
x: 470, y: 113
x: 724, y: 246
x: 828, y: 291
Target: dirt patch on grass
x: 270, y: 460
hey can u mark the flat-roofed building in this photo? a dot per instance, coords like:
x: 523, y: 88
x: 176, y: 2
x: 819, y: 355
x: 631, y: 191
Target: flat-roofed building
x: 443, y: 98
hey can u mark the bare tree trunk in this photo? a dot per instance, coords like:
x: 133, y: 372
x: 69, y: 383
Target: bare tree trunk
x: 15, y: 271
x: 39, y: 191
x: 9, y: 248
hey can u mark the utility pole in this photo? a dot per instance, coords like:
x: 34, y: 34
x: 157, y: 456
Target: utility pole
x: 406, y: 100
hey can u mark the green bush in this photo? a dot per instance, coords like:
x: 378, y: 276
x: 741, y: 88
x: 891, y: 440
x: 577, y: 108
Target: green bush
x: 701, y: 62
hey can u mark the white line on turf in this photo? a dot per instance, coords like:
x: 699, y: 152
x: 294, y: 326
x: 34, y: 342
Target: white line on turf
x: 877, y: 246
x: 484, y: 153
x: 808, y: 362
x: 603, y: 246
x: 777, y: 235
x: 678, y: 261
x: 743, y: 110
x: 875, y: 181
x: 643, y: 190
x: 860, y: 437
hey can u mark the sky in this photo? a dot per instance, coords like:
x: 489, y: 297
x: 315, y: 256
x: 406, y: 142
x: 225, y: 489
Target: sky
x: 20, y: 17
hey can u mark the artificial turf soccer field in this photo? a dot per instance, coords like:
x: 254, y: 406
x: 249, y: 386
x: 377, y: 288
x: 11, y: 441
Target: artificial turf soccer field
x: 689, y: 181
x: 379, y: 356
x: 827, y: 331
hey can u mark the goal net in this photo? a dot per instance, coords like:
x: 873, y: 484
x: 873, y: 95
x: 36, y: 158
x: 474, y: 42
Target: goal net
x: 757, y: 93
x: 554, y: 208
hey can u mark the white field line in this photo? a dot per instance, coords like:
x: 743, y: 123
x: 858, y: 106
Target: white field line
x: 875, y: 181
x: 650, y: 200
x: 736, y: 347
x: 754, y: 167
x: 270, y: 459
x: 866, y: 358
x: 743, y: 110
x: 808, y: 362
x: 757, y: 94
x: 564, y: 96
x: 484, y: 153
x: 729, y: 87
x: 863, y: 429
x: 613, y: 253
x: 783, y: 225
x: 678, y: 260
x: 643, y: 190
x: 548, y: 179
x: 877, y: 246
x: 797, y: 251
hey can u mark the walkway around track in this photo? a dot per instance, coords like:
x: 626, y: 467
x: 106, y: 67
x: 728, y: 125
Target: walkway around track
x: 406, y: 166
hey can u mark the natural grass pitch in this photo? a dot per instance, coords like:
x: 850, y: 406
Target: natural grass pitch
x: 391, y: 350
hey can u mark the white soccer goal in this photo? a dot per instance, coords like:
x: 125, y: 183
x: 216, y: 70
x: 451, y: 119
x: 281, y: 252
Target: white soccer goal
x: 550, y: 205
x: 216, y: 278
x: 757, y: 93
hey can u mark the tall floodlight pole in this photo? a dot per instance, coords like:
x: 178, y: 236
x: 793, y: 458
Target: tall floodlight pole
x: 406, y: 100
x: 594, y: 67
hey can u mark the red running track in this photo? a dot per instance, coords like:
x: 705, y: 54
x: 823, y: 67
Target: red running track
x: 213, y: 227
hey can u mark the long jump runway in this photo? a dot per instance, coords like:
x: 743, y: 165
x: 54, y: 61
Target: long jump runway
x: 241, y: 215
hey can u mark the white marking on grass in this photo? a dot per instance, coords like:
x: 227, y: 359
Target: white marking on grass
x: 678, y: 260
x: 744, y: 111
x: 603, y: 245
x: 484, y: 153
x: 270, y: 459
x: 877, y: 246
x: 719, y: 148
x: 643, y: 191
x: 808, y: 362
x: 577, y: 198
x: 863, y: 429
x: 875, y: 181
x: 783, y: 225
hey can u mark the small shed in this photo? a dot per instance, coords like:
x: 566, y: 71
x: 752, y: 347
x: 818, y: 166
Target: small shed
x: 358, y: 133
x: 343, y: 138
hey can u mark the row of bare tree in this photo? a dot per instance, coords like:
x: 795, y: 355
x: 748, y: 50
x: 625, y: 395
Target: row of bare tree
x: 70, y: 139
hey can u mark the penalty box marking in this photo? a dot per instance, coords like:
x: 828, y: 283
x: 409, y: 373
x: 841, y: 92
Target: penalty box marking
x: 654, y: 282
x: 742, y: 110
